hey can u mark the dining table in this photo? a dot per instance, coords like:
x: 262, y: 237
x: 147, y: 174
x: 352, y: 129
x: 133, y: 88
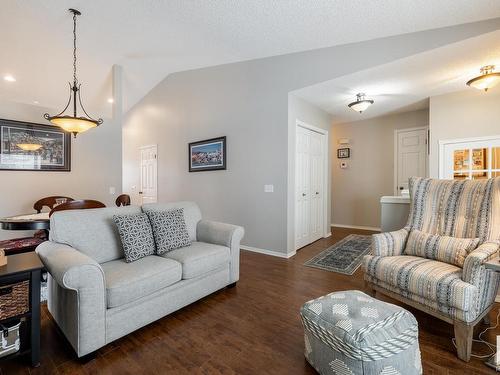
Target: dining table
x: 34, y: 221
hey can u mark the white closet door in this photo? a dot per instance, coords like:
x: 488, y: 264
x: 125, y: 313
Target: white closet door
x: 316, y: 185
x: 309, y: 182
x: 302, y: 187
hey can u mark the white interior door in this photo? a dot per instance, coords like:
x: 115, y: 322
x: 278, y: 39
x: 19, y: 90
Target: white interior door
x: 410, y: 156
x: 316, y: 157
x: 302, y: 181
x: 149, y: 174
x: 310, y: 177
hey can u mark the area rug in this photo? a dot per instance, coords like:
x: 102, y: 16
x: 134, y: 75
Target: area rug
x: 345, y: 256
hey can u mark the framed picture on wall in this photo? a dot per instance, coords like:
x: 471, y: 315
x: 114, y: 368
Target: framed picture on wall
x: 207, y: 155
x: 343, y: 153
x: 27, y: 146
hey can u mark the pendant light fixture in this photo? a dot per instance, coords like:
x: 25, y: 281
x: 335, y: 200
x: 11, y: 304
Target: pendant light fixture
x: 486, y: 80
x: 361, y: 104
x: 72, y: 122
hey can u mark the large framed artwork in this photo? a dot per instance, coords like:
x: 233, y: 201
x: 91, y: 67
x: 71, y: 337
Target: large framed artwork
x: 27, y: 146
x: 207, y: 155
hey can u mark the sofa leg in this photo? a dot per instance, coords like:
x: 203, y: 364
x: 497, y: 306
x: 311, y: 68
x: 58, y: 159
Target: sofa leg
x: 88, y: 357
x: 463, y: 340
x: 231, y: 285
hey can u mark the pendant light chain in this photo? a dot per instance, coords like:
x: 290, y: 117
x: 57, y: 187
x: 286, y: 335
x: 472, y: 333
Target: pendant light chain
x: 74, y: 49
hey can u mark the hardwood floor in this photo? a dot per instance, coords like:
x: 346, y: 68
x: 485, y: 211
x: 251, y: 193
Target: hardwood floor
x: 253, y: 328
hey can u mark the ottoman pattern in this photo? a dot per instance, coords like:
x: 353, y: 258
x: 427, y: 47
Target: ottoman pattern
x: 352, y: 333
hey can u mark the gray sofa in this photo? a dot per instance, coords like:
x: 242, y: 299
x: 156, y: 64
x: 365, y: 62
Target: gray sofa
x: 96, y: 297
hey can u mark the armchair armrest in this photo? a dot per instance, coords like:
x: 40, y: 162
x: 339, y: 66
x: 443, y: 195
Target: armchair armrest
x: 78, y: 301
x: 224, y: 235
x: 474, y: 270
x: 390, y: 243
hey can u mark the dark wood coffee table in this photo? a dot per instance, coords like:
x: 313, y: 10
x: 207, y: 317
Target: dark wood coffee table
x: 21, y: 267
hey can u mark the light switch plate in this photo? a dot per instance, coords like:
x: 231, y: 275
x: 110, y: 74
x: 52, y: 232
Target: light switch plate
x: 268, y: 188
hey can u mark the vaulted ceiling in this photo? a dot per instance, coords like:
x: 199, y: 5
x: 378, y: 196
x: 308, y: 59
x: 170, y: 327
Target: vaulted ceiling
x: 406, y: 84
x: 153, y: 38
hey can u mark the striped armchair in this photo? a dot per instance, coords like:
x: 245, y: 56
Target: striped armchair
x: 436, y: 262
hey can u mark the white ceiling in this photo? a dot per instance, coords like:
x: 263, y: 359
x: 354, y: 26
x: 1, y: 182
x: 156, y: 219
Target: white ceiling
x: 153, y: 38
x: 406, y: 84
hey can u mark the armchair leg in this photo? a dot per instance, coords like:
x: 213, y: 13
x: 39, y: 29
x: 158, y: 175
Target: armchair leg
x: 487, y: 320
x: 369, y: 290
x: 463, y: 339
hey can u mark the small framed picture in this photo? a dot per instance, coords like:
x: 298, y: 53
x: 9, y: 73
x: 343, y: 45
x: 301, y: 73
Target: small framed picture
x: 207, y: 155
x: 343, y: 153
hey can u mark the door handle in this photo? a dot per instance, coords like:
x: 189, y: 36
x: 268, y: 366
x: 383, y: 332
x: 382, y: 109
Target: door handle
x: 303, y: 194
x: 140, y: 192
x: 401, y: 187
x: 317, y: 193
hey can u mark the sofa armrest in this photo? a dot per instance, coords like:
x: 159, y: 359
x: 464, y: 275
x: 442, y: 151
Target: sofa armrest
x: 390, y: 243
x: 474, y: 270
x: 78, y: 301
x: 69, y: 267
x: 224, y: 235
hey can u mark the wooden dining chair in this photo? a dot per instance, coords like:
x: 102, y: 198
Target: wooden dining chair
x: 77, y: 205
x: 49, y: 202
x: 123, y: 200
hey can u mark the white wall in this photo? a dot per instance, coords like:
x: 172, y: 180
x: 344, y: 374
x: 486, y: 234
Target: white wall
x: 356, y: 191
x: 95, y: 167
x: 248, y: 102
x: 299, y: 109
x: 464, y: 114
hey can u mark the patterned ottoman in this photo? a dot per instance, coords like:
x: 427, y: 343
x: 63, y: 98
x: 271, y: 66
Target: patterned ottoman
x: 351, y: 333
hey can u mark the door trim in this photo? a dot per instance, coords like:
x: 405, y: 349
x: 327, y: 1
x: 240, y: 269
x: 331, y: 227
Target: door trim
x: 326, y: 220
x: 395, y: 163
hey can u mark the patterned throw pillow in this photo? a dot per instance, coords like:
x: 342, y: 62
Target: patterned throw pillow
x: 136, y: 236
x: 451, y: 250
x: 169, y: 230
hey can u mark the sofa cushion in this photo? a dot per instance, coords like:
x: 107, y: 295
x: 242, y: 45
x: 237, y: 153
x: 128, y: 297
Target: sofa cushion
x: 430, y: 279
x: 127, y: 282
x: 91, y: 231
x: 199, y: 258
x: 446, y: 249
x: 136, y: 236
x: 192, y: 214
x: 169, y: 230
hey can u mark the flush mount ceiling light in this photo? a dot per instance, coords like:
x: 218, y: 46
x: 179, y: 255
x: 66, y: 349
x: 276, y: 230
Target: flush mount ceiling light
x: 73, y: 123
x: 486, y: 80
x: 361, y: 104
x: 9, y: 78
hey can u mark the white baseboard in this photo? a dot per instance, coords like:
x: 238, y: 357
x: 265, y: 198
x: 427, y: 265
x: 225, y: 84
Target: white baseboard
x: 355, y: 227
x: 268, y: 252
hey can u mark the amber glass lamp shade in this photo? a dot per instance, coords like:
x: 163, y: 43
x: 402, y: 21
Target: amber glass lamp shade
x: 73, y: 125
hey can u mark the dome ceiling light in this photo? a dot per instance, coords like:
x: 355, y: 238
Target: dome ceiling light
x: 486, y: 80
x: 361, y: 104
x: 73, y: 123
